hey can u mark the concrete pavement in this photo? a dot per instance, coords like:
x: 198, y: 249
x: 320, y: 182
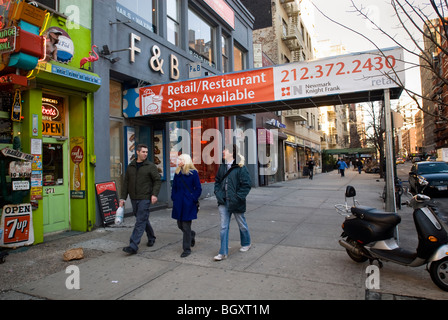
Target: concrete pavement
x: 295, y: 254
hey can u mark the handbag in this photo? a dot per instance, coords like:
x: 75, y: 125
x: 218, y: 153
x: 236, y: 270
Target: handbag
x: 198, y: 205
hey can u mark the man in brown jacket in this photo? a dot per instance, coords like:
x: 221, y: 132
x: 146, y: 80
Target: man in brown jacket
x: 142, y: 183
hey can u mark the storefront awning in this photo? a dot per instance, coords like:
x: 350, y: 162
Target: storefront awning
x: 353, y: 151
x: 60, y: 75
x: 346, y: 79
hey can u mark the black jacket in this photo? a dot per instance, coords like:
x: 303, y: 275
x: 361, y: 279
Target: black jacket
x: 238, y: 187
x: 143, y: 183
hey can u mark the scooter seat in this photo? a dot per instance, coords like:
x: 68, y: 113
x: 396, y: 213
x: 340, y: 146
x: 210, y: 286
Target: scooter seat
x: 374, y: 215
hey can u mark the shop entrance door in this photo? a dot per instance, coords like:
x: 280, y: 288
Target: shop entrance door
x: 56, y: 200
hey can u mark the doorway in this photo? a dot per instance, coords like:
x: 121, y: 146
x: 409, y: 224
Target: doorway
x: 55, y: 179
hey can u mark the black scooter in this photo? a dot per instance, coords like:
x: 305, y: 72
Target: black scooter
x: 369, y: 234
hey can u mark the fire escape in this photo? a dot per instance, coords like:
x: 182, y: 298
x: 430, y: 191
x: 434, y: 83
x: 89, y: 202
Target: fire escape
x: 293, y: 36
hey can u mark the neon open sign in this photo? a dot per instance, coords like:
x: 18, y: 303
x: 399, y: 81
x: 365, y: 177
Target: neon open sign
x: 49, y: 112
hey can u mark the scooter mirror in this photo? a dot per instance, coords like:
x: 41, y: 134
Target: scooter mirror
x: 350, y: 192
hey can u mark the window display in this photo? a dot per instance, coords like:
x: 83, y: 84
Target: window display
x: 53, y: 165
x: 5, y: 131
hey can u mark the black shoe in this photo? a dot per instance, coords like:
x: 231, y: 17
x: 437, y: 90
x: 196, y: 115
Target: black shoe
x: 193, y: 238
x: 129, y: 250
x: 185, y: 254
x: 151, y: 243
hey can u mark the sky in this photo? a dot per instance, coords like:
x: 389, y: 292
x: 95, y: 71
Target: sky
x: 382, y: 12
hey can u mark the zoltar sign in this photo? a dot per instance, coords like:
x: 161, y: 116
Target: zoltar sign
x: 21, y: 45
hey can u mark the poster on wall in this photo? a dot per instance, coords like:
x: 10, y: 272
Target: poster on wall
x: 130, y: 145
x: 159, y: 152
x: 108, y: 201
x: 16, y: 227
x: 77, y: 169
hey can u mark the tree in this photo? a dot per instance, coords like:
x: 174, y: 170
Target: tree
x: 426, y: 30
x: 375, y: 130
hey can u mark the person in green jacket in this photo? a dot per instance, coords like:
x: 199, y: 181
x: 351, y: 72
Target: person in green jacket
x: 232, y: 186
x: 142, y: 183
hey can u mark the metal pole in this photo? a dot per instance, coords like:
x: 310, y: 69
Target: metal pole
x: 390, y: 168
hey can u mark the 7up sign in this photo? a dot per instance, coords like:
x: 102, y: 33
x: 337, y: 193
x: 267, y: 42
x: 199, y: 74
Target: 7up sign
x: 17, y: 226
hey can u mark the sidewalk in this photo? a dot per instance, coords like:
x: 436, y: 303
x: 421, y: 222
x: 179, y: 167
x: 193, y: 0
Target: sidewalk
x: 295, y: 254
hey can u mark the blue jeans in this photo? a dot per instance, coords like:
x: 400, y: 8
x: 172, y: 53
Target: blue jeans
x: 142, y: 224
x: 225, y: 224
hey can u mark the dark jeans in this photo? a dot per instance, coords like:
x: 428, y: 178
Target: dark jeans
x: 142, y: 224
x: 342, y: 172
x: 185, y: 227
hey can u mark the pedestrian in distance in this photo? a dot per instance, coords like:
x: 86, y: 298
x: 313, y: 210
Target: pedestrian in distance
x: 232, y: 186
x: 185, y: 194
x: 311, y: 165
x: 142, y: 183
x: 359, y: 165
x: 342, y: 165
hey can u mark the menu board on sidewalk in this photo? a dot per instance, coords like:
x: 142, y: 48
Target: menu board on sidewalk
x: 108, y: 201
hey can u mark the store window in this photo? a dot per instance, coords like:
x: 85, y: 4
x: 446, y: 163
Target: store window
x: 116, y: 134
x: 6, y: 128
x: 53, y: 164
x: 239, y: 57
x: 173, y: 21
x: 225, y: 54
x: 201, y: 38
x: 53, y: 116
x: 142, y: 12
x: 207, y: 169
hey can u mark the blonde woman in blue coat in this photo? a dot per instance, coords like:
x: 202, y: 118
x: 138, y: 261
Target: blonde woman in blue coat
x: 185, y: 194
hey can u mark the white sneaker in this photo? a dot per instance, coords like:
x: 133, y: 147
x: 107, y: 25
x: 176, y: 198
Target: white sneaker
x: 246, y: 248
x: 220, y: 257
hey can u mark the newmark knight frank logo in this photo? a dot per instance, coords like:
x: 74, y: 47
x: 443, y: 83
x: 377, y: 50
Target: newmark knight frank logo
x: 294, y: 91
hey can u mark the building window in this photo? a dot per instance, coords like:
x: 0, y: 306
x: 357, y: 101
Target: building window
x: 239, y: 57
x: 116, y: 99
x: 173, y: 21
x: 225, y: 54
x: 284, y: 28
x: 52, y: 4
x: 201, y: 38
x: 142, y: 12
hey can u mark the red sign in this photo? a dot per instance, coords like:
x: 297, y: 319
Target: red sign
x: 13, y: 79
x: 230, y: 89
x: 108, y: 201
x: 77, y: 155
x: 49, y: 112
x: 17, y: 226
x: 223, y: 10
x: 346, y: 74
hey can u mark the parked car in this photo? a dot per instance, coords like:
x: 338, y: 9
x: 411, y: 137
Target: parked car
x: 400, y: 161
x: 416, y: 159
x: 427, y: 176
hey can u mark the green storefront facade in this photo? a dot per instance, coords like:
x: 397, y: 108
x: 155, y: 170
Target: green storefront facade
x: 56, y: 127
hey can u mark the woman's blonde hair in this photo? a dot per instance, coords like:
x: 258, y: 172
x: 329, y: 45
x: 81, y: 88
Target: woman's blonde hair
x: 188, y: 165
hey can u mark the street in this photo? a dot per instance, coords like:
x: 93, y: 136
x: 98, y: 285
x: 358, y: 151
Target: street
x: 441, y: 200
x: 295, y: 255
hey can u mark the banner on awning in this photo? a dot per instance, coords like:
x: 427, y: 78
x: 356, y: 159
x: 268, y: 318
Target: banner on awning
x: 368, y: 71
